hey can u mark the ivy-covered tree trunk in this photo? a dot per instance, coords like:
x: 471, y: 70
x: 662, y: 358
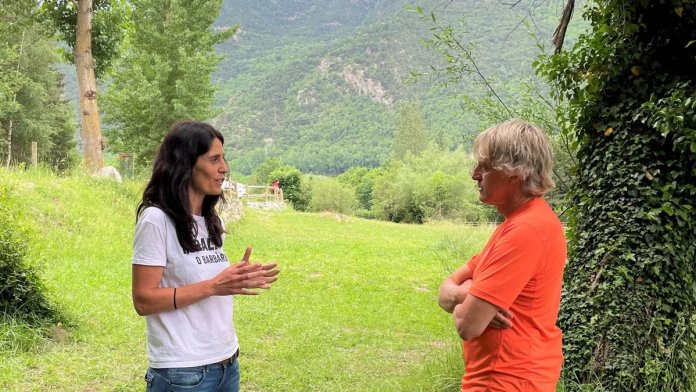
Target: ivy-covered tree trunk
x: 629, y: 305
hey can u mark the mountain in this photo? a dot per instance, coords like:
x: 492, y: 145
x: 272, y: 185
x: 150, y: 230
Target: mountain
x: 316, y: 83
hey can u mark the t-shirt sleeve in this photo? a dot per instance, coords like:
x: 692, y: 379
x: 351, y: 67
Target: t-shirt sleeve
x: 149, y: 242
x: 501, y: 274
x: 472, y: 263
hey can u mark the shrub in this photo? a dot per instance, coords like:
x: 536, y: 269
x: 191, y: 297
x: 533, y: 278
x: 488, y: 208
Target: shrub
x: 434, y: 185
x: 263, y: 171
x: 397, y: 195
x: 21, y: 292
x: 330, y: 195
x: 362, y: 180
x: 294, y: 189
x: 365, y: 214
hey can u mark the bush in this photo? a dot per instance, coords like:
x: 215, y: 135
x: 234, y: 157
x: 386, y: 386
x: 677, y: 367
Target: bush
x: 263, y: 171
x: 330, y: 195
x: 434, y: 185
x: 362, y: 180
x: 397, y: 194
x: 294, y: 189
x: 21, y: 292
x: 365, y: 214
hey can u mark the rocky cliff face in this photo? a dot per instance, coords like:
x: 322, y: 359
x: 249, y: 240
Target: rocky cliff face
x: 355, y: 77
x: 322, y: 78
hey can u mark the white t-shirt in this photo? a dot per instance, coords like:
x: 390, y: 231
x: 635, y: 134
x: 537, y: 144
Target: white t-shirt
x: 198, y: 334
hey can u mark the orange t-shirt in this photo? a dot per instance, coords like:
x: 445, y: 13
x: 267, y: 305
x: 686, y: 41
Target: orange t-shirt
x: 520, y: 269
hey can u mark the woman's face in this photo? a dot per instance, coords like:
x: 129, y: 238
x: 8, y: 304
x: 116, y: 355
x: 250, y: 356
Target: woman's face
x: 209, y: 171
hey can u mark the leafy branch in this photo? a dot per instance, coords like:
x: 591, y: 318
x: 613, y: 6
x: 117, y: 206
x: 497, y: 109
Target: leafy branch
x: 446, y: 43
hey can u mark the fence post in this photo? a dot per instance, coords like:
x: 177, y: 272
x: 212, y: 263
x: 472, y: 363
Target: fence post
x: 126, y: 164
x: 34, y: 154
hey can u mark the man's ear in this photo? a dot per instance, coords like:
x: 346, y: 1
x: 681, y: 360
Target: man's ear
x: 515, y: 178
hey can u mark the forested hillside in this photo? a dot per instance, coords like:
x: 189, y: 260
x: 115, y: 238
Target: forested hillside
x: 317, y: 83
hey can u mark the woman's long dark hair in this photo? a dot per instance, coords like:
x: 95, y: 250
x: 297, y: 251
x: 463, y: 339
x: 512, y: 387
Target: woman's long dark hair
x: 168, y: 188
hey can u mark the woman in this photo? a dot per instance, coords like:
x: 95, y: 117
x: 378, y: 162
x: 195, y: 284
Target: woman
x: 182, y: 280
x: 505, y: 300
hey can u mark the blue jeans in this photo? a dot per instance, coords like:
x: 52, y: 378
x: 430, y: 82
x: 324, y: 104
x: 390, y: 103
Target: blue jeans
x: 206, y: 378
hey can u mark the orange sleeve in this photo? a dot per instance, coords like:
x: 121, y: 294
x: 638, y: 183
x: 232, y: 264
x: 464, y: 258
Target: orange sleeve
x: 472, y: 263
x: 504, y: 271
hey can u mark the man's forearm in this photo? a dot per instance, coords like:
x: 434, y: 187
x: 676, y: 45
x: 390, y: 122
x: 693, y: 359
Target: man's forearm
x: 451, y: 295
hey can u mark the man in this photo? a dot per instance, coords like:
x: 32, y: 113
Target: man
x: 505, y: 300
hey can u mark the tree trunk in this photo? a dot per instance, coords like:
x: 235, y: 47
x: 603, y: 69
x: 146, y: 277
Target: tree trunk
x: 86, y: 81
x: 629, y: 306
x: 9, y: 145
x: 14, y: 100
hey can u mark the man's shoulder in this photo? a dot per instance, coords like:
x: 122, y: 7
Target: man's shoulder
x: 539, y: 213
x: 538, y: 222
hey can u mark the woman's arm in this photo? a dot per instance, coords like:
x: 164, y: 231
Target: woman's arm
x: 240, y: 278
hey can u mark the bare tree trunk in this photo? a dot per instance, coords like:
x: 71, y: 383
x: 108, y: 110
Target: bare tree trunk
x: 87, y: 84
x: 14, y: 99
x: 9, y: 144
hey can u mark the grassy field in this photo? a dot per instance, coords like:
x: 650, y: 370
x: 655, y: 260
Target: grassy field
x: 354, y: 310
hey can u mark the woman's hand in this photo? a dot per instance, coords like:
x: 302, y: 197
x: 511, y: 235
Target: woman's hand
x: 244, y: 277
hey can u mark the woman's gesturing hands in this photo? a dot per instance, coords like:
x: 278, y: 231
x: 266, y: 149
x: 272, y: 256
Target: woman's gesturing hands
x: 244, y: 277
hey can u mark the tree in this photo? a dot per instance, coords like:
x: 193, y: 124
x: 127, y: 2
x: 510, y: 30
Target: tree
x: 87, y: 84
x: 431, y: 186
x: 31, y: 107
x: 498, y: 101
x: 164, y: 76
x: 295, y: 190
x: 629, y: 310
x: 362, y: 180
x: 92, y: 29
x: 62, y: 154
x: 411, y: 133
x: 264, y: 170
x: 11, y: 77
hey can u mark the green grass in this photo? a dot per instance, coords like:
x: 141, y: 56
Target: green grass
x: 354, y: 310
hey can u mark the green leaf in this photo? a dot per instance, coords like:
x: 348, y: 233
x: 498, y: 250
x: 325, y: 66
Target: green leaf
x: 667, y: 208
